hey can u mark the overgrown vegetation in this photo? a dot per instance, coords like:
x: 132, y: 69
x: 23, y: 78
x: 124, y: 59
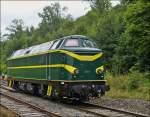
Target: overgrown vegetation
x: 135, y: 85
x: 122, y: 32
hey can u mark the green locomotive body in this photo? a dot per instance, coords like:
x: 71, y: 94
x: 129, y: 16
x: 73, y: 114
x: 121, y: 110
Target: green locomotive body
x: 70, y: 67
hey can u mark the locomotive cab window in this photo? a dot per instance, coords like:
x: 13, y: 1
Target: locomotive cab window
x: 55, y: 44
x: 72, y: 43
x: 88, y: 43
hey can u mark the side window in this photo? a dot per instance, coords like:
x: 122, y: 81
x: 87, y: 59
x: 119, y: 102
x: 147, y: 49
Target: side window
x: 51, y: 43
x: 27, y: 51
x: 87, y: 43
x: 55, y: 44
x: 60, y: 43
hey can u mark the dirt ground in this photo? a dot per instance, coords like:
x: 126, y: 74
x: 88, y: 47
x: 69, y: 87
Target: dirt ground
x: 4, y: 112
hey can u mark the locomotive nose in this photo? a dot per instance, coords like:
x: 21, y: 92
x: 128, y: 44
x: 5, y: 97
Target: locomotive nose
x: 84, y: 51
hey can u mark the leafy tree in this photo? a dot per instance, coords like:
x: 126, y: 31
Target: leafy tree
x: 51, y: 18
x: 100, y: 5
x: 15, y: 29
x: 135, y: 41
x: 122, y: 32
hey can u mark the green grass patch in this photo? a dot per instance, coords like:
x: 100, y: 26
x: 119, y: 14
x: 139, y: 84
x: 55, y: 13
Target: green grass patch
x: 135, y: 85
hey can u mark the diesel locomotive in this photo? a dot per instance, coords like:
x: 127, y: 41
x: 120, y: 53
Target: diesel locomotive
x: 71, y: 67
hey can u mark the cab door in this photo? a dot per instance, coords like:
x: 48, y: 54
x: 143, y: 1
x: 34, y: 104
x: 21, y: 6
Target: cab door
x: 47, y: 67
x: 53, y: 72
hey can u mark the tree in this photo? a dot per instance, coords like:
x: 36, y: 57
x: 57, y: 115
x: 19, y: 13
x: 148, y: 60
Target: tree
x: 15, y: 29
x: 100, y: 5
x: 122, y: 32
x: 135, y: 41
x: 51, y: 18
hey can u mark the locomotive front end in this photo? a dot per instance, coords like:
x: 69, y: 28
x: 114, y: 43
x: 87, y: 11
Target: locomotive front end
x: 87, y: 79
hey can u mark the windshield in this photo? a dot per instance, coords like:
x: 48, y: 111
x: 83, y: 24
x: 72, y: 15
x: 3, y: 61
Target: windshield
x: 79, y: 43
x: 71, y: 43
x: 88, y: 43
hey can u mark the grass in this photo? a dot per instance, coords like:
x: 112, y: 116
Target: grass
x: 135, y: 85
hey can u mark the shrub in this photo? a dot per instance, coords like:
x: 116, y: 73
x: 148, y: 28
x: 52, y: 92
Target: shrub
x: 131, y: 85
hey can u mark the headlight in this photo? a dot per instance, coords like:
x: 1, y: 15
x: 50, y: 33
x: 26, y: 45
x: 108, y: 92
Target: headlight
x: 100, y: 70
x: 76, y: 71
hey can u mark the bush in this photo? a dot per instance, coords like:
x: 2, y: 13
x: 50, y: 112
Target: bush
x: 133, y: 85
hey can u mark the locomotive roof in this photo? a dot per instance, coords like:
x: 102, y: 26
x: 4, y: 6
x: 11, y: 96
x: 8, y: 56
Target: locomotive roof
x: 41, y: 47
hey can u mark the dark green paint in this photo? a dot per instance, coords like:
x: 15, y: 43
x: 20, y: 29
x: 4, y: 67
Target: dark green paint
x: 87, y: 69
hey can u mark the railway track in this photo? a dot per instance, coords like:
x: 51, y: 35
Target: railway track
x: 106, y: 111
x: 101, y: 111
x: 24, y: 109
x: 5, y: 92
x: 98, y: 111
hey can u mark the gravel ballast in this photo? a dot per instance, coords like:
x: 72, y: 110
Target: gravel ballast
x: 49, y: 105
x: 133, y: 105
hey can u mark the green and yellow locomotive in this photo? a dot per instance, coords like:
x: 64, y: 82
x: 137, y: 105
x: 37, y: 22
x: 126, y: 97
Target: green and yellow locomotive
x: 70, y: 67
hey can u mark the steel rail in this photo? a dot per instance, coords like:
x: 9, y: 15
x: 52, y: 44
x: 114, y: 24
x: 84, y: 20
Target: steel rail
x: 90, y: 112
x: 31, y: 105
x: 6, y: 88
x: 66, y: 105
x: 85, y: 107
x: 116, y: 110
x: 82, y: 107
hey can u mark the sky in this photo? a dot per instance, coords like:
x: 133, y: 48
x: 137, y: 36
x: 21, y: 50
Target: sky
x: 28, y: 11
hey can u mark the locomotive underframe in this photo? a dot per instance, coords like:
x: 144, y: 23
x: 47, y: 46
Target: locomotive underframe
x: 73, y: 90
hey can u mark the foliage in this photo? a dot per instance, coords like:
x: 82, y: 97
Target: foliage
x: 134, y: 85
x: 16, y: 29
x: 122, y: 32
x: 100, y: 5
x: 51, y: 18
x: 134, y: 43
